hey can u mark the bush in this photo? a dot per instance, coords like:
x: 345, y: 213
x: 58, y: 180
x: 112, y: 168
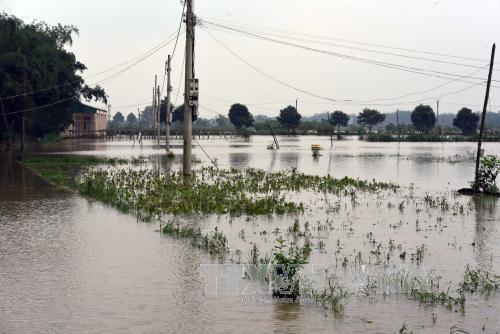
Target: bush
x: 380, y: 137
x: 488, y: 171
x: 247, y: 132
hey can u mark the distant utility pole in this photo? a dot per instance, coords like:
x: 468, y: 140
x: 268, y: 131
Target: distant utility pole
x: 140, y: 126
x: 190, y: 90
x: 297, y: 105
x: 437, y: 121
x: 167, y: 112
x: 398, y: 127
x: 481, y: 130
x: 158, y: 108
x: 153, y: 111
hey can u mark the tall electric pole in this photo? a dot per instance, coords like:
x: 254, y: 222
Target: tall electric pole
x: 140, y: 126
x: 153, y: 112
x: 398, y: 126
x: 189, y: 102
x: 167, y: 115
x: 437, y: 121
x: 481, y: 130
x: 158, y: 107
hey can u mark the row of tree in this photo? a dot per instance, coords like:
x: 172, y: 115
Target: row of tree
x: 423, y: 119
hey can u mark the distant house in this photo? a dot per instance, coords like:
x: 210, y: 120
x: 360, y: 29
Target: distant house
x: 88, y: 122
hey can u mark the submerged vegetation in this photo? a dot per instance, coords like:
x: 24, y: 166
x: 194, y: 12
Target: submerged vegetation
x: 487, y: 175
x: 149, y: 194
x: 62, y: 169
x: 215, y: 242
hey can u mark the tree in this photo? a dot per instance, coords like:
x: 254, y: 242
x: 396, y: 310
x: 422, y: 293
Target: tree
x: 147, y: 116
x: 35, y: 58
x: 222, y: 122
x: 339, y: 118
x: 423, y: 118
x: 289, y: 118
x: 178, y: 114
x: 370, y: 117
x: 240, y: 116
x: 131, y: 120
x: 118, y: 120
x: 466, y: 121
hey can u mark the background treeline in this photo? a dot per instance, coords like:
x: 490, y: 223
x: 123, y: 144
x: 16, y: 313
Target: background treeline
x: 422, y: 123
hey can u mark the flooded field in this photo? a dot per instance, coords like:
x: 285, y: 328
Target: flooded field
x: 70, y: 264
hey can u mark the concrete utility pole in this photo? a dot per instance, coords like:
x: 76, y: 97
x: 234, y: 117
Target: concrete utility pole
x: 158, y: 108
x: 398, y: 127
x: 140, y: 126
x: 437, y: 120
x: 167, y: 115
x: 153, y: 112
x: 481, y: 130
x: 189, y: 106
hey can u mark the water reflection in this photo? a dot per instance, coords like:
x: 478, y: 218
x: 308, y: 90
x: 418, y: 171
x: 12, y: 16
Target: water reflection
x: 485, y: 216
x: 289, y: 160
x: 274, y: 155
x: 239, y: 159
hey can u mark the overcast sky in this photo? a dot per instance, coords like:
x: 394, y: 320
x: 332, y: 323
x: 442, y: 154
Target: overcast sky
x: 112, y: 32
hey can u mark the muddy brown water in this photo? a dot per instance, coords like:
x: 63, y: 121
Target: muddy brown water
x: 70, y: 265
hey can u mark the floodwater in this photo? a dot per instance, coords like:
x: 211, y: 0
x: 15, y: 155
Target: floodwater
x: 70, y: 265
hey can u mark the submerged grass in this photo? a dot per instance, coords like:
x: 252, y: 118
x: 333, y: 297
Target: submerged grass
x: 215, y: 242
x: 148, y: 194
x: 254, y: 192
x: 63, y: 169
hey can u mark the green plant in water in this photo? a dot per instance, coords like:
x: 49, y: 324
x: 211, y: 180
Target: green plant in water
x: 479, y: 281
x: 285, y: 272
x: 332, y: 296
x: 215, y: 242
x: 487, y: 175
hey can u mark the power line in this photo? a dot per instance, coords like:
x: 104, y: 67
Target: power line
x: 267, y: 75
x: 175, y: 47
x: 349, y: 41
x: 136, y: 62
x: 421, y: 71
x: 364, y: 49
x: 421, y: 92
x: 147, y: 55
x: 40, y: 107
x: 140, y: 57
x: 178, y: 93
